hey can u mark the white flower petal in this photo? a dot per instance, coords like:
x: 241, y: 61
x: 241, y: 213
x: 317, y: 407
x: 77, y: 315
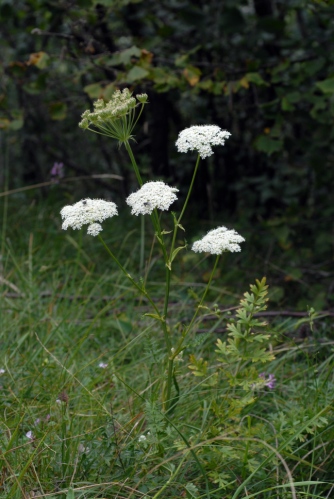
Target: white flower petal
x: 94, y: 229
x: 200, y: 138
x: 88, y: 211
x: 218, y: 241
x: 151, y: 195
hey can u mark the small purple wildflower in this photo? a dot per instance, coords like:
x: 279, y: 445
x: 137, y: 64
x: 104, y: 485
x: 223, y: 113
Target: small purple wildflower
x: 270, y: 382
x: 57, y: 171
x: 30, y: 435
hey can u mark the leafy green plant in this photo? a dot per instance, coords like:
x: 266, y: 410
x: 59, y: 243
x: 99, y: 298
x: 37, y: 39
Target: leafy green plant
x: 117, y: 119
x: 248, y: 340
x: 108, y: 387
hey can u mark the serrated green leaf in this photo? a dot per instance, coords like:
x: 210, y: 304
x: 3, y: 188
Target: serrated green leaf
x: 199, y: 367
x: 192, y: 490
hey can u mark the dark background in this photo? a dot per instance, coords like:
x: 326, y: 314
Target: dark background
x: 261, y: 69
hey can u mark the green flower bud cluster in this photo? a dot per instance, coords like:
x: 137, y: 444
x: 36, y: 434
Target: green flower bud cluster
x: 120, y: 105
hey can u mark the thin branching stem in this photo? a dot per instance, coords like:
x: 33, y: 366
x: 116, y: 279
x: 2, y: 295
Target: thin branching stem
x: 133, y: 162
x: 163, y: 321
x: 189, y: 327
x: 167, y: 287
x: 189, y: 190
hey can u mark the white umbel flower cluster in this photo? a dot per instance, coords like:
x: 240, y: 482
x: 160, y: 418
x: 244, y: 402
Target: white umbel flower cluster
x: 88, y: 212
x: 200, y: 138
x: 219, y: 240
x: 151, y: 195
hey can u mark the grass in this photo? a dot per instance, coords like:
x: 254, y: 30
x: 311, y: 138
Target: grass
x: 81, y: 416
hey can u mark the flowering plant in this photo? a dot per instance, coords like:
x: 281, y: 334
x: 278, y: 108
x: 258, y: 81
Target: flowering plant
x: 201, y: 138
x: 57, y: 171
x: 88, y: 212
x: 117, y: 119
x: 150, y: 196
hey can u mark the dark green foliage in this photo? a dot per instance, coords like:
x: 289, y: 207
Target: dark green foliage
x: 100, y: 431
x: 262, y: 70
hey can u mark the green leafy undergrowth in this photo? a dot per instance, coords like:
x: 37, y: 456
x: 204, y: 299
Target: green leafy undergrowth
x: 80, y: 373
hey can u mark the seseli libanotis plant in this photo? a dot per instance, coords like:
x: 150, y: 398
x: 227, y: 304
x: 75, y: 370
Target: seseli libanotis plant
x: 117, y: 119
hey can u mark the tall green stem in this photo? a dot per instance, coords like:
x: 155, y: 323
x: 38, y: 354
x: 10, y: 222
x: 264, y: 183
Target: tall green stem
x: 167, y: 288
x: 185, y: 334
x: 188, y: 329
x: 133, y: 162
x: 190, y: 189
x: 142, y: 244
x: 176, y: 226
x: 168, y: 263
x: 154, y: 216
